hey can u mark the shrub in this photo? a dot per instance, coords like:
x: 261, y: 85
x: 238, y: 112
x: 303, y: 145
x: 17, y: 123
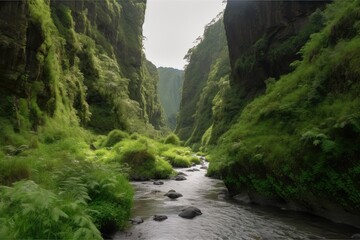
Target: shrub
x: 13, y: 169
x: 108, y: 216
x: 140, y: 157
x: 108, y: 193
x: 194, y: 159
x: 180, y: 161
x: 114, y: 137
x: 29, y: 211
x: 180, y: 157
x: 172, y: 139
x: 163, y: 169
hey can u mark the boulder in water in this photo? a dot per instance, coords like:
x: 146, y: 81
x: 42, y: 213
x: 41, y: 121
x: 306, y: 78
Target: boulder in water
x: 173, y: 194
x: 356, y: 236
x: 190, y: 212
x: 136, y: 220
x: 158, y: 183
x: 159, y: 218
x: 180, y: 178
x: 181, y: 174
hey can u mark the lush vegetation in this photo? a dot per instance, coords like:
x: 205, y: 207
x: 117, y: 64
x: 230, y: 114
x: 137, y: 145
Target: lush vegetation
x: 73, y: 184
x: 54, y: 190
x: 65, y: 71
x: 205, y: 75
x: 169, y: 90
x: 300, y: 140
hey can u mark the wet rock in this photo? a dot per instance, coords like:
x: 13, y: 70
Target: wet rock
x: 356, y: 236
x: 203, y: 167
x: 158, y: 183
x: 223, y: 194
x: 193, y: 164
x: 196, y: 170
x: 159, y: 218
x: 136, y: 220
x: 190, y: 212
x: 190, y: 170
x: 180, y: 178
x: 172, y: 194
x: 181, y: 174
x: 243, y: 198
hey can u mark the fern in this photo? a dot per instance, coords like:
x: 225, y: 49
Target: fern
x: 29, y: 211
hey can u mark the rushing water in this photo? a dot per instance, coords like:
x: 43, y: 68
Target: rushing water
x: 221, y: 218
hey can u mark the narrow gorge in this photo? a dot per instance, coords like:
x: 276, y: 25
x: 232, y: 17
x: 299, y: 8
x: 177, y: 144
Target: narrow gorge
x: 258, y: 137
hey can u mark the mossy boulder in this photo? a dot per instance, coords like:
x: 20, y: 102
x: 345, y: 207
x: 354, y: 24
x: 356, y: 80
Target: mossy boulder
x: 114, y: 137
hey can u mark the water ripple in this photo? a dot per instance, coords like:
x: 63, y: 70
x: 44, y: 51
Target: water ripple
x: 221, y: 219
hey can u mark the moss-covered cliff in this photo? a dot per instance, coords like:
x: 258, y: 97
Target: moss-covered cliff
x: 67, y: 67
x: 169, y: 88
x: 264, y: 38
x: 297, y: 144
x: 77, y: 61
x: 204, y: 76
x: 289, y: 109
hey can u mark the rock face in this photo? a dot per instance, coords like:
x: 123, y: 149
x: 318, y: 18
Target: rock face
x: 257, y: 34
x: 80, y: 61
x: 208, y: 64
x: 190, y: 212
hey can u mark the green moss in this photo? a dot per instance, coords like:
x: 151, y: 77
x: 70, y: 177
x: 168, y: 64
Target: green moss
x: 140, y: 157
x: 13, y: 170
x: 208, y: 63
x: 289, y: 142
x: 114, y: 137
x: 172, y: 139
x: 179, y: 157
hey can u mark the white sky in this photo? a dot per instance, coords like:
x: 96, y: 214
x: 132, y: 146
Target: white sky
x: 172, y: 26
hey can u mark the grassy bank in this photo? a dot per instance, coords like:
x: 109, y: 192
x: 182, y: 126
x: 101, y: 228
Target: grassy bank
x: 300, y: 140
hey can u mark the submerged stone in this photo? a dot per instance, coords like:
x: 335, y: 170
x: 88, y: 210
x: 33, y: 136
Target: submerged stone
x: 180, y: 178
x: 136, y: 220
x: 159, y: 218
x: 158, y: 183
x: 173, y: 194
x: 190, y: 212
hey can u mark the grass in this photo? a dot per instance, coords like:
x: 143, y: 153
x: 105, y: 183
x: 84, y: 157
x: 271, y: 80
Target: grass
x: 57, y: 190
x: 172, y: 139
x: 180, y: 157
x: 300, y: 139
x: 114, y: 137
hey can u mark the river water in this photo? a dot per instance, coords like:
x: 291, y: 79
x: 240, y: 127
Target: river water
x: 221, y: 218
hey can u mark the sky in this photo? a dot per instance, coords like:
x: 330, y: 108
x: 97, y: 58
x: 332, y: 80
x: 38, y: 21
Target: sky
x: 172, y: 26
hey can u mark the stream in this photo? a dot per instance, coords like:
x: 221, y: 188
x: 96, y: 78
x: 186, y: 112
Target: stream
x: 221, y: 218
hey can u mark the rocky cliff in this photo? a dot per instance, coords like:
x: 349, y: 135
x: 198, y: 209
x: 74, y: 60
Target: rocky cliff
x: 169, y: 89
x: 78, y: 62
x: 295, y: 144
x: 264, y: 38
x: 204, y: 76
